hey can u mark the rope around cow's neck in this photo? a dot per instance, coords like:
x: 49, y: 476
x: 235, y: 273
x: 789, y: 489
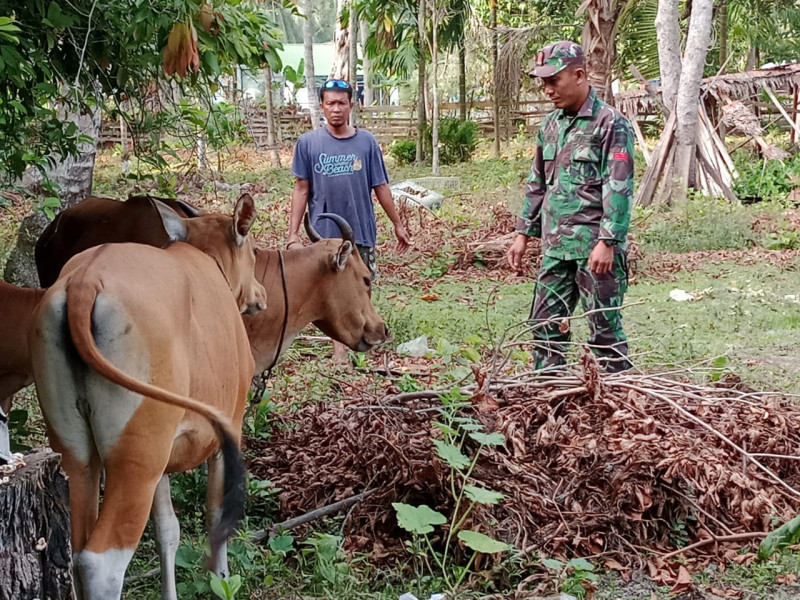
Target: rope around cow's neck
x: 268, y: 373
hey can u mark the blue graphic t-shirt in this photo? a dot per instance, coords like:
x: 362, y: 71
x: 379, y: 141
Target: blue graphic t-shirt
x: 341, y: 173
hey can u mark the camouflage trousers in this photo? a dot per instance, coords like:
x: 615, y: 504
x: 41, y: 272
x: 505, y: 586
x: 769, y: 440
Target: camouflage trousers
x: 559, y: 286
x: 370, y: 259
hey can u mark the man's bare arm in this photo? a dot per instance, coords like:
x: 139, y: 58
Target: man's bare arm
x: 299, y: 203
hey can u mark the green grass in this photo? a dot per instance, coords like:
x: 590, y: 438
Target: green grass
x: 748, y: 313
x: 701, y: 224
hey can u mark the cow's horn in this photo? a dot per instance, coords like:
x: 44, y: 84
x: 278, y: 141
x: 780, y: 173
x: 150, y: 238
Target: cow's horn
x: 310, y: 231
x: 344, y: 226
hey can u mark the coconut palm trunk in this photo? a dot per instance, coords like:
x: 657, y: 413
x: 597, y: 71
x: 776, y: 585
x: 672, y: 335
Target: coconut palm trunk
x: 341, y: 44
x: 599, y: 44
x: 275, y: 156
x: 421, y: 54
x: 308, y: 52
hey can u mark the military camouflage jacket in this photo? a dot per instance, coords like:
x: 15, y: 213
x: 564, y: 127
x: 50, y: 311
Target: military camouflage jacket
x: 580, y: 189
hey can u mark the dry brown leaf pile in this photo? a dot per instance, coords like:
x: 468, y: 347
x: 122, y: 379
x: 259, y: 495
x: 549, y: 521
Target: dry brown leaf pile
x: 478, y: 251
x: 591, y: 464
x: 666, y: 265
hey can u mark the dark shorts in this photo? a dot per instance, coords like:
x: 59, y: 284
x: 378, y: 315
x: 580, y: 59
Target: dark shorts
x: 370, y: 259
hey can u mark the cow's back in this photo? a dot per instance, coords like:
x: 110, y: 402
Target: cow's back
x: 96, y: 221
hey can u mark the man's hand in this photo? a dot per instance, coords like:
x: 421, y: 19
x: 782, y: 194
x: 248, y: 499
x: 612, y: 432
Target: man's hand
x: 516, y: 252
x: 403, y: 239
x: 601, y: 259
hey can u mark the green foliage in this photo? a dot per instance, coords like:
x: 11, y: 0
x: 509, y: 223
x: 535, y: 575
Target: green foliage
x: 785, y: 535
x: 782, y: 240
x: 18, y: 429
x: 417, y: 519
x: 226, y: 590
x: 439, y: 265
x: 703, y: 224
x: 403, y: 151
x: 765, y: 180
x: 679, y: 535
x: 325, y: 557
x: 456, y: 429
x: 77, y: 55
x: 573, y: 576
x: 457, y: 140
x: 296, y: 77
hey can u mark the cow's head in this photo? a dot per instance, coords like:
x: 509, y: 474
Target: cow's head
x: 226, y: 240
x: 347, y: 291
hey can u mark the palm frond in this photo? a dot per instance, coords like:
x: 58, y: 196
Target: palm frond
x: 637, y: 43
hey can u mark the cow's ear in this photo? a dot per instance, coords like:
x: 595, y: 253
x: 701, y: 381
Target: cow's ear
x: 244, y: 215
x: 342, y: 254
x: 172, y: 221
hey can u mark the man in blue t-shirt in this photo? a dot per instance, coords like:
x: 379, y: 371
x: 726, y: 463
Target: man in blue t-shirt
x: 337, y: 168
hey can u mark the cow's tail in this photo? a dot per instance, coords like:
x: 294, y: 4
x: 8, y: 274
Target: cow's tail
x: 80, y: 306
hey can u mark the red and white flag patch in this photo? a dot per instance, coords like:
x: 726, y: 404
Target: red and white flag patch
x: 620, y: 156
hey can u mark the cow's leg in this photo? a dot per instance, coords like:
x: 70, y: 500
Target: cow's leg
x: 128, y: 498
x: 60, y: 386
x: 214, y: 492
x: 5, y: 442
x: 168, y: 533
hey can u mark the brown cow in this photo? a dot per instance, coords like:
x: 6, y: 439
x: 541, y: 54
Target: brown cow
x: 17, y: 306
x: 326, y: 284
x: 142, y: 367
x: 96, y: 221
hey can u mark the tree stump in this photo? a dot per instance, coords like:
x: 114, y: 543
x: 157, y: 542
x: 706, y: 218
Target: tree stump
x: 35, y: 552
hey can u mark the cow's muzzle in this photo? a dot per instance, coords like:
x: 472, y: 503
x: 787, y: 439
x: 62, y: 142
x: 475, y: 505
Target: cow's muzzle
x: 251, y: 309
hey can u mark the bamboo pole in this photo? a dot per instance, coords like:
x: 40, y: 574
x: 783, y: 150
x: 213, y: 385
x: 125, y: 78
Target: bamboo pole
x: 640, y: 139
x: 655, y: 171
x: 796, y: 112
x: 718, y: 142
x: 782, y: 110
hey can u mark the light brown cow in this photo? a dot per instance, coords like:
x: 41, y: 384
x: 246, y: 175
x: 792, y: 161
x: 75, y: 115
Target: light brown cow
x: 142, y: 366
x: 327, y: 284
x: 17, y: 306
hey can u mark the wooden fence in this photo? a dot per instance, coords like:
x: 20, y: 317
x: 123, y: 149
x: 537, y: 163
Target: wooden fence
x: 386, y: 123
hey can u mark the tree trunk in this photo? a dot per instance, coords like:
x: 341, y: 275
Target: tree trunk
x: 496, y: 77
x: 462, y: 77
x: 308, y: 52
x: 668, y: 33
x: 341, y: 44
x: 723, y: 33
x: 274, y: 154
x: 752, y: 58
x: 366, y: 66
x: 687, y: 103
x: 435, y: 60
x: 35, y: 548
x: 421, y: 116
x: 72, y: 176
x: 202, y: 154
x: 723, y: 54
x: 599, y: 44
x: 353, y: 63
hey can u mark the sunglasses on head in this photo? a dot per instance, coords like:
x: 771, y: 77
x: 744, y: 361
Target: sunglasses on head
x: 336, y: 84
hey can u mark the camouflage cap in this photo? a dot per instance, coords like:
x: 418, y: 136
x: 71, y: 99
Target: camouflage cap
x: 557, y: 57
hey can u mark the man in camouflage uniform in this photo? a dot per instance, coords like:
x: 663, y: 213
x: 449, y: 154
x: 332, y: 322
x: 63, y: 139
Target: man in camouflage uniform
x: 578, y: 200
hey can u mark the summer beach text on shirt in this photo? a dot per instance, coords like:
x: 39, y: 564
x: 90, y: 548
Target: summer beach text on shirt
x: 338, y: 164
